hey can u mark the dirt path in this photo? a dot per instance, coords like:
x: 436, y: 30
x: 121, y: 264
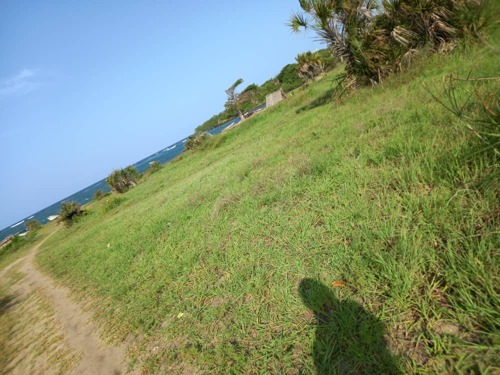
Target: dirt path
x: 60, y: 329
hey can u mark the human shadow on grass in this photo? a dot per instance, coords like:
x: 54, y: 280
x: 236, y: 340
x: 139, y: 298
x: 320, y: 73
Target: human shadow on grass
x: 349, y: 340
x: 326, y: 98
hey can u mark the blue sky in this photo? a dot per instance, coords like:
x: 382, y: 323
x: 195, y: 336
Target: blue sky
x: 90, y: 86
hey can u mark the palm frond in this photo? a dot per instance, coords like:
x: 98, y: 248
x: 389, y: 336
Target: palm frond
x: 403, y: 36
x: 297, y: 21
x: 306, y: 5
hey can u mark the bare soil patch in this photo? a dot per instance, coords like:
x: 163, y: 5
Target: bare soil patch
x: 44, y: 332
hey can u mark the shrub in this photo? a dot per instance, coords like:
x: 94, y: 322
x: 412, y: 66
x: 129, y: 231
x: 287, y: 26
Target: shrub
x: 197, y: 140
x: 154, y: 166
x: 70, y: 211
x: 33, y: 225
x: 289, y: 79
x: 12, y: 244
x: 113, y: 202
x: 99, y: 194
x: 122, y: 180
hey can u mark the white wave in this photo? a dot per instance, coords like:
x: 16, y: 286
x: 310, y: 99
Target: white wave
x: 15, y: 225
x: 31, y: 217
x: 171, y: 148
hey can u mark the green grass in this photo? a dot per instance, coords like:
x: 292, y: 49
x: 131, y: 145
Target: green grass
x: 21, y: 245
x: 222, y: 260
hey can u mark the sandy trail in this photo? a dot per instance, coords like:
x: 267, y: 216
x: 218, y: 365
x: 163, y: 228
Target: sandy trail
x: 70, y: 322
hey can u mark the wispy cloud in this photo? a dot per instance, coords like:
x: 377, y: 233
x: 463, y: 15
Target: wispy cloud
x: 22, y: 83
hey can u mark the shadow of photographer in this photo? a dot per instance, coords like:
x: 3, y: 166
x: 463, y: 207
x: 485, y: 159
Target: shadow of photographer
x: 349, y: 340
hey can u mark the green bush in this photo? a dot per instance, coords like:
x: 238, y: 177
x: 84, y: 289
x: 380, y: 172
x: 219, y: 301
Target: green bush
x: 33, y: 225
x: 70, y: 211
x: 122, y: 180
x: 13, y: 245
x: 10, y: 249
x: 289, y: 79
x: 113, y: 202
x: 196, y: 141
x: 99, y: 194
x: 154, y: 166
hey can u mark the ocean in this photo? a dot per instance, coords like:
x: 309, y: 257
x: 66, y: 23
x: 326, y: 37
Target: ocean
x: 86, y: 195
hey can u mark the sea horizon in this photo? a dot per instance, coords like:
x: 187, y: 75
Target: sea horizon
x: 85, y: 195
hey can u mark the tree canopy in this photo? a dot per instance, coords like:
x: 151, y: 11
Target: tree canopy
x: 233, y: 98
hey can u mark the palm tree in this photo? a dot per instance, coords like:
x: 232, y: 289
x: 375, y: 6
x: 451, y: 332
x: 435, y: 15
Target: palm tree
x: 122, y: 179
x: 341, y: 24
x: 374, y: 42
x: 233, y: 98
x: 309, y: 65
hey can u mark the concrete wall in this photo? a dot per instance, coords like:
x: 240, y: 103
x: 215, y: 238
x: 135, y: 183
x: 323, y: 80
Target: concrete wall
x: 274, y: 98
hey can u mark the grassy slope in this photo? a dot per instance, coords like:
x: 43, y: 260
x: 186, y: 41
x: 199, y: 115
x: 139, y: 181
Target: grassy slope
x: 14, y: 251
x: 201, y: 264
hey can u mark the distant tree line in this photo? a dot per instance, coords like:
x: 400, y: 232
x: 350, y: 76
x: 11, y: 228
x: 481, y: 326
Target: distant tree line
x: 288, y: 79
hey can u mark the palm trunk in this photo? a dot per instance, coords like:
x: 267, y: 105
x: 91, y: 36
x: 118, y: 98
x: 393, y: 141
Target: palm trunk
x: 242, y: 116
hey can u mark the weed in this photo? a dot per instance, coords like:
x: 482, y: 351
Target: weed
x: 112, y: 203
